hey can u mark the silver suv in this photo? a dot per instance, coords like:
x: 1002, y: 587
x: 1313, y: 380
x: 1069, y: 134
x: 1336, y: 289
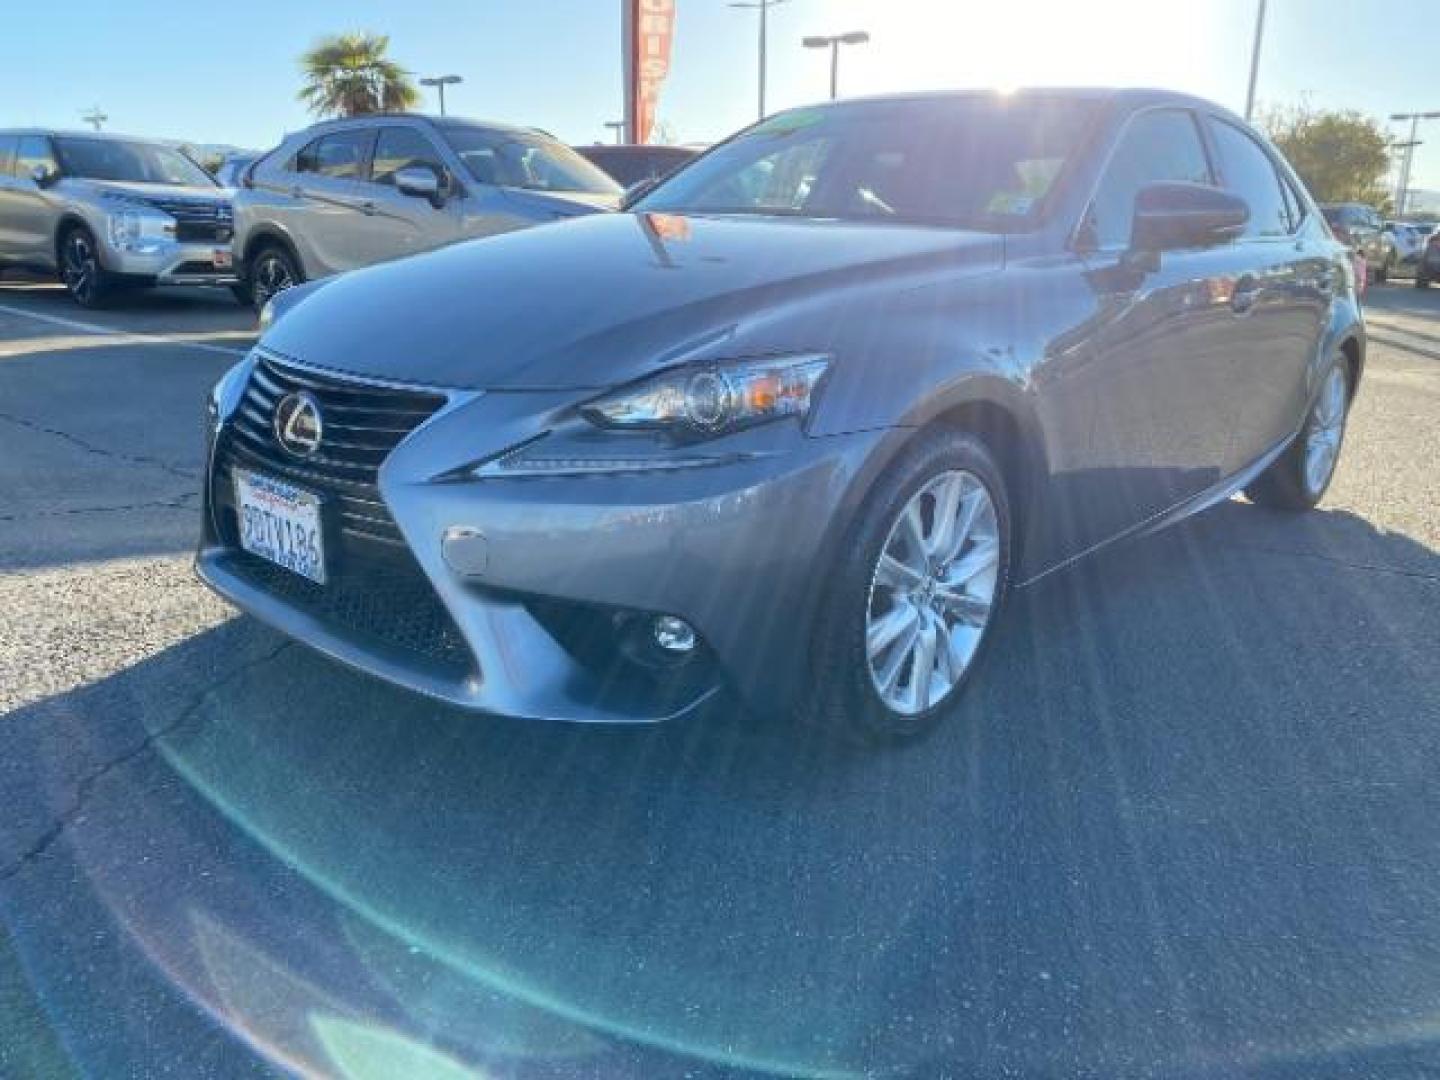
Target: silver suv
x: 347, y: 193
x: 104, y: 212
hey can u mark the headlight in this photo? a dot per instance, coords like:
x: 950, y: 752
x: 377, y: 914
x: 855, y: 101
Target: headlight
x: 704, y: 400
x: 139, y: 228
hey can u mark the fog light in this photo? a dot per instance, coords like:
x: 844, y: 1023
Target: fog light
x: 674, y: 635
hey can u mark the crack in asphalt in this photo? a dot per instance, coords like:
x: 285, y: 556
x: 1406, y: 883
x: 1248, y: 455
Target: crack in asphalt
x: 181, y: 502
x: 86, y: 785
x: 1346, y: 563
x: 89, y: 447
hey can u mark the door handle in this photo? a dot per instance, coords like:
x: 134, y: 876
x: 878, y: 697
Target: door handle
x: 1247, y: 292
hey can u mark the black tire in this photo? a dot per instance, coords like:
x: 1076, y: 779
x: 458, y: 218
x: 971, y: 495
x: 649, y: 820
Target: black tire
x: 81, y: 273
x: 1421, y: 281
x: 844, y: 700
x: 1285, y: 484
x: 241, y: 292
x: 271, y: 270
x: 1382, y: 274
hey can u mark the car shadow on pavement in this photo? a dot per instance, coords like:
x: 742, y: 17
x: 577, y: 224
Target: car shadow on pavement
x: 1183, y: 822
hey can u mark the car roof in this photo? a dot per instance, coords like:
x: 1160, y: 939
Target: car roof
x: 344, y: 122
x: 107, y: 136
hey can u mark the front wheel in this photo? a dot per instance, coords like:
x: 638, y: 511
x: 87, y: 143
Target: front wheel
x: 1421, y: 281
x: 1298, y: 478
x: 272, y: 271
x: 1382, y: 275
x: 915, y: 593
x: 80, y: 268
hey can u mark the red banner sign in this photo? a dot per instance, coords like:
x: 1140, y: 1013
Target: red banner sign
x: 649, y: 27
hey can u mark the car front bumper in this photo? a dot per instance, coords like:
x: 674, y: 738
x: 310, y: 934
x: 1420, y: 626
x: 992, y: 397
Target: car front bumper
x: 189, y: 263
x: 553, y: 582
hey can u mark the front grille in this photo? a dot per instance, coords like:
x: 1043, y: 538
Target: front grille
x: 362, y: 425
x: 394, y: 607
x: 375, y: 587
x: 199, y: 220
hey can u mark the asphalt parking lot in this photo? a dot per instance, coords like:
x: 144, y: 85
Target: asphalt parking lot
x: 1184, y: 825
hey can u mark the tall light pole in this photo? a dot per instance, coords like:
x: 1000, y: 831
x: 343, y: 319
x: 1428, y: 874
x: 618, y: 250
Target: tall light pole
x: 440, y: 82
x: 762, y: 6
x: 94, y: 117
x: 617, y: 126
x: 833, y: 43
x: 1414, y: 118
x: 1255, y: 59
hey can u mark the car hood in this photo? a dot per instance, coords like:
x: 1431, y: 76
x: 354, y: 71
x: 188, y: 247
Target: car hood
x: 602, y: 299
x: 153, y: 191
x: 563, y: 203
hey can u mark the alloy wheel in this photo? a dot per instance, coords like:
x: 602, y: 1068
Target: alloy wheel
x: 932, y: 592
x: 272, y: 276
x: 1326, y: 430
x: 80, y: 268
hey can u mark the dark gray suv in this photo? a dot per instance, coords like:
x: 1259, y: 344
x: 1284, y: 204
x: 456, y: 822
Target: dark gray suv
x: 797, y: 421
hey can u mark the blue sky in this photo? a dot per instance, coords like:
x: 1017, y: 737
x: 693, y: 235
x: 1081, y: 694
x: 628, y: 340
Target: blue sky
x: 226, y: 72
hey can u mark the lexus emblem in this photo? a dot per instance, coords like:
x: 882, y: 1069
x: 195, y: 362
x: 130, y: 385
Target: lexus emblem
x: 298, y: 426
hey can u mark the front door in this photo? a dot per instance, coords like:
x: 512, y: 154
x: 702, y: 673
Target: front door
x: 403, y: 224
x: 1139, y: 407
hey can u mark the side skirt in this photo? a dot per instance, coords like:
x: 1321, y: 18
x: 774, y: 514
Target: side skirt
x: 1203, y: 500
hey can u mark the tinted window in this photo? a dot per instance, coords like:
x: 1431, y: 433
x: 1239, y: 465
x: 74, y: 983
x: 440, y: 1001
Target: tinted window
x: 982, y: 162
x: 627, y: 166
x: 127, y: 162
x: 34, y: 150
x: 339, y: 155
x: 1250, y: 173
x: 523, y: 159
x: 402, y: 148
x: 7, y: 153
x: 1157, y: 146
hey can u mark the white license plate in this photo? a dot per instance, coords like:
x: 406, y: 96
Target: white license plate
x: 280, y: 522
x: 224, y: 259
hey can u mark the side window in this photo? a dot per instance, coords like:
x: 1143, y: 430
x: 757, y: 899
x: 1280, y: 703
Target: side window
x: 34, y: 150
x: 1156, y: 146
x: 1249, y: 173
x: 403, y: 148
x: 1294, y: 205
x: 339, y: 156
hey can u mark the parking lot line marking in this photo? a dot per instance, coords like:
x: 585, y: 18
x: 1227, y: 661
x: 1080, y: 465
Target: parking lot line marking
x: 111, y: 331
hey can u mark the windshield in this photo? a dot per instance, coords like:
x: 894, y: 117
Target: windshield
x: 980, y: 163
x: 129, y: 162
x: 530, y: 161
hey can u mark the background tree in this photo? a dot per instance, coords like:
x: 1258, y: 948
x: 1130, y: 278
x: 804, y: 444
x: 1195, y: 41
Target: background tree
x: 1341, y: 156
x: 350, y: 75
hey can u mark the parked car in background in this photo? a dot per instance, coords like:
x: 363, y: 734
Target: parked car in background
x: 1428, y: 267
x: 1407, y: 240
x: 628, y: 165
x: 232, y: 168
x: 105, y: 212
x: 347, y: 193
x: 795, y: 421
x: 1361, y: 228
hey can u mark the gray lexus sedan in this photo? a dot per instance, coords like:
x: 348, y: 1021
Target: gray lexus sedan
x: 794, y: 423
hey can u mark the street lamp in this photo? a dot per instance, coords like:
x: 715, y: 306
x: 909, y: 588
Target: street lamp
x: 833, y: 43
x: 617, y: 126
x: 762, y: 6
x: 442, y: 81
x: 1404, y: 192
x: 1255, y: 60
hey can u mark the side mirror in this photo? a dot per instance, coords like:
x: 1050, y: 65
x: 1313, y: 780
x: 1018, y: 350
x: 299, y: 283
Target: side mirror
x: 43, y: 175
x: 1170, y: 216
x: 637, y: 191
x: 420, y: 182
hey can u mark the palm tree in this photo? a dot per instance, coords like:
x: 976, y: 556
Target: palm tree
x: 349, y: 75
